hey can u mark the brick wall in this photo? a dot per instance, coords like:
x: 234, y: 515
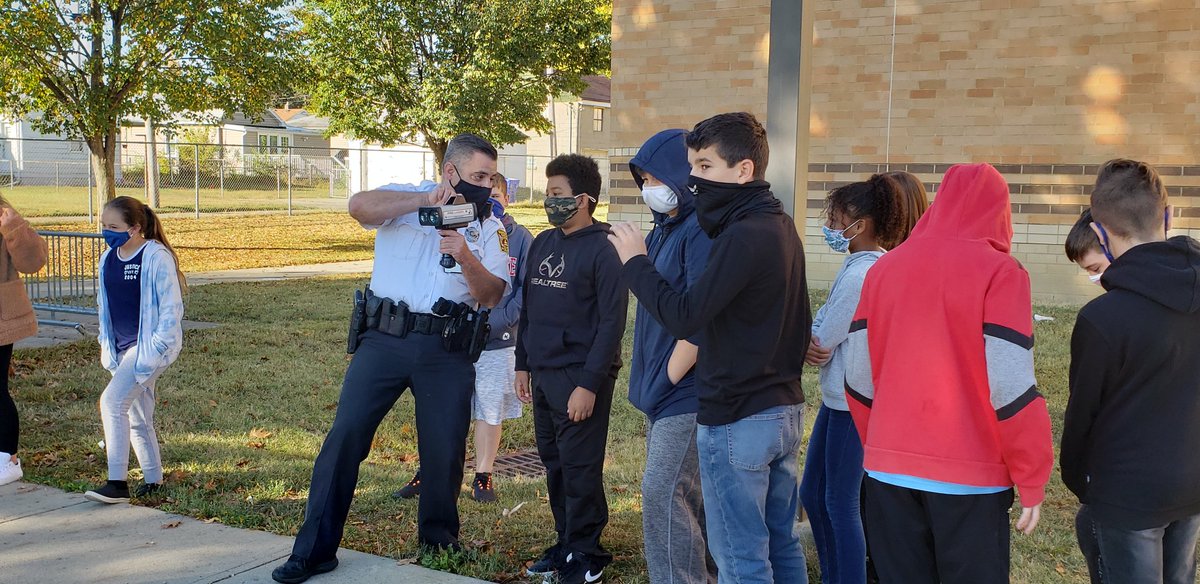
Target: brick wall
x: 1044, y: 89
x: 674, y: 63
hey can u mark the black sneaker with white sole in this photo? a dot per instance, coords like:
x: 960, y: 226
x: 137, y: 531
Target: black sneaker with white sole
x: 147, y: 490
x: 581, y: 569
x: 112, y: 492
x: 550, y: 562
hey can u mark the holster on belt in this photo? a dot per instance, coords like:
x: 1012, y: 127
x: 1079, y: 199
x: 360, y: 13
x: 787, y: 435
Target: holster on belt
x: 358, y: 319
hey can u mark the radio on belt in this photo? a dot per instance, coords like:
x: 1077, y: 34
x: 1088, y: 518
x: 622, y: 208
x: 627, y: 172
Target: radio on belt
x: 447, y: 217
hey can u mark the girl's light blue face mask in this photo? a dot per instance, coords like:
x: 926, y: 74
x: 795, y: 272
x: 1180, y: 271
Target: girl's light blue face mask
x: 836, y: 238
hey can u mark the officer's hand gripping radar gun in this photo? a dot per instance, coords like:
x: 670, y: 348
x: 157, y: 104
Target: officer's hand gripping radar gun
x: 447, y: 217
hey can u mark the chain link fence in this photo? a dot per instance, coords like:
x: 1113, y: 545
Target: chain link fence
x: 49, y: 177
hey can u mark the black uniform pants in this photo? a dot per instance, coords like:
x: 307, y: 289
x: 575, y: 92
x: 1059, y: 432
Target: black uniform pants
x: 917, y: 536
x: 381, y: 369
x: 573, y: 454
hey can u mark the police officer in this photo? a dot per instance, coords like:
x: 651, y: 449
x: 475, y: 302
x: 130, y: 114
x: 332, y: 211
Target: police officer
x: 393, y: 358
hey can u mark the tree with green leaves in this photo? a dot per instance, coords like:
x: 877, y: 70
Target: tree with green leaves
x: 79, y: 68
x: 417, y: 71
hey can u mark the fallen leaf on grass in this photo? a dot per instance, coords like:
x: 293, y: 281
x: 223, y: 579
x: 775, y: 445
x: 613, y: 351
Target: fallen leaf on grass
x: 242, y: 463
x: 172, y: 524
x: 1060, y: 569
x: 260, y: 433
x: 509, y: 512
x: 212, y: 403
x: 213, y: 520
x: 256, y: 444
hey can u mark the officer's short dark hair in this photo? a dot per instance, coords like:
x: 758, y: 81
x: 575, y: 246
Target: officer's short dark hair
x: 464, y: 146
x: 1081, y: 239
x: 737, y: 136
x: 1129, y: 199
x: 583, y: 174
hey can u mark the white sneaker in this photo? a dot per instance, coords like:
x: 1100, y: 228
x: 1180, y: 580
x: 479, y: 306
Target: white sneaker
x: 10, y: 471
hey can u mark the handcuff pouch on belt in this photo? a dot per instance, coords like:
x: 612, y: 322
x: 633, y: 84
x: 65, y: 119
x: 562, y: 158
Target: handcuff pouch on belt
x: 466, y: 330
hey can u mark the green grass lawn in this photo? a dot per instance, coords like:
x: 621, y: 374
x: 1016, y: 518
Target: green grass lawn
x: 231, y: 241
x: 52, y: 201
x: 243, y: 412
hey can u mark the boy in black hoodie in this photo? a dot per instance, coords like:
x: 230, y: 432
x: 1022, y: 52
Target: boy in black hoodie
x: 568, y: 354
x: 1133, y: 419
x: 750, y: 308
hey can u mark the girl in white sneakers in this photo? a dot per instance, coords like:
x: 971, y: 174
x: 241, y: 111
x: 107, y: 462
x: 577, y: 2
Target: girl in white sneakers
x: 21, y: 250
x: 141, y: 311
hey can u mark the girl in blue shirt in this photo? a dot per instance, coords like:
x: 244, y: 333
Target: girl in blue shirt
x: 141, y: 310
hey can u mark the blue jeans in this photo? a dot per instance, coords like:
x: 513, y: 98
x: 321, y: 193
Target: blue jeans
x: 831, y: 492
x: 1159, y: 555
x: 748, y: 475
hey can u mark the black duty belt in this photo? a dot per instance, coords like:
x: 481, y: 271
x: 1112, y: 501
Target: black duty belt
x: 400, y: 325
x: 427, y: 324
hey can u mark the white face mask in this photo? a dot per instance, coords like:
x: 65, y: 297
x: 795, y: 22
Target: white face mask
x: 1095, y: 279
x: 660, y: 198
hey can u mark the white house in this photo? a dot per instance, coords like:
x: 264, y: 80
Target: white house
x: 581, y: 126
x: 30, y: 157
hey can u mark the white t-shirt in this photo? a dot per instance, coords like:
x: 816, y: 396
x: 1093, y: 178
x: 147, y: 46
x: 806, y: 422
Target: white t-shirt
x: 407, y: 257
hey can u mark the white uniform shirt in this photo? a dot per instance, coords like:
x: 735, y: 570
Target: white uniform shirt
x: 407, y: 258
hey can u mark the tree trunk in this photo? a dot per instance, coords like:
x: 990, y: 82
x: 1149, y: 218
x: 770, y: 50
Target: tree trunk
x: 103, y: 159
x: 438, y: 146
x: 151, y: 165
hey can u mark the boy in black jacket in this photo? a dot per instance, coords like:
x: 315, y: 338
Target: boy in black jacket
x: 750, y: 306
x: 1133, y: 419
x: 568, y: 354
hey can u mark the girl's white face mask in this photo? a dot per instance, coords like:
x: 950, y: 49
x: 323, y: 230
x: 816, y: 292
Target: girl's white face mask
x: 660, y: 198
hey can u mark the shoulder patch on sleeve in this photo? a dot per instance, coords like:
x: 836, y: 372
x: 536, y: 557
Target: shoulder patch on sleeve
x: 503, y: 236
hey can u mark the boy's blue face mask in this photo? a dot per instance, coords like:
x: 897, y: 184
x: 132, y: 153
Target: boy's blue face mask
x: 116, y: 238
x: 836, y: 238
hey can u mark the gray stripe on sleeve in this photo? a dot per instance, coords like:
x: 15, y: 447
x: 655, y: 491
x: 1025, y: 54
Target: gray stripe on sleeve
x: 1010, y: 371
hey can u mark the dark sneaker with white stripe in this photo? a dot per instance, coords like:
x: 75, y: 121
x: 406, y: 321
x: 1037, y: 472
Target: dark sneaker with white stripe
x: 112, y: 492
x: 550, y: 562
x: 581, y: 569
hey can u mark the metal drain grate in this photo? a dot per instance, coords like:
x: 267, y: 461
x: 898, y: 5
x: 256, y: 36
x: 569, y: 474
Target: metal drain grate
x: 526, y: 463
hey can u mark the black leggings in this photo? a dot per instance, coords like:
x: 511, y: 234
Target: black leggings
x: 10, y: 427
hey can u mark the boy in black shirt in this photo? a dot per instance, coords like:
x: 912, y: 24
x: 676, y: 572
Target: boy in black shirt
x: 568, y: 354
x: 1133, y: 419
x: 751, y: 309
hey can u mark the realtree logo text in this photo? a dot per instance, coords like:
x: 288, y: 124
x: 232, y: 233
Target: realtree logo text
x: 551, y: 270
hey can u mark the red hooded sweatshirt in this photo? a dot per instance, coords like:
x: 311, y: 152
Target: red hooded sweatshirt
x: 940, y: 356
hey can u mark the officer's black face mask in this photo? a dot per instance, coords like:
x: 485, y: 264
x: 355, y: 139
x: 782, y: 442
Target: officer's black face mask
x: 473, y: 193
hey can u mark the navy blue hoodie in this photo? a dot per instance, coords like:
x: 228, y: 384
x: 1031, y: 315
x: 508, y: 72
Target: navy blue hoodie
x: 575, y: 306
x: 679, y: 250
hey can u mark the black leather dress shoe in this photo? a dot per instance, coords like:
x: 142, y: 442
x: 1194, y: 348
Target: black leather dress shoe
x: 297, y: 570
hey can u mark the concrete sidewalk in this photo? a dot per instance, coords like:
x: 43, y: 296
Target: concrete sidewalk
x: 47, y: 535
